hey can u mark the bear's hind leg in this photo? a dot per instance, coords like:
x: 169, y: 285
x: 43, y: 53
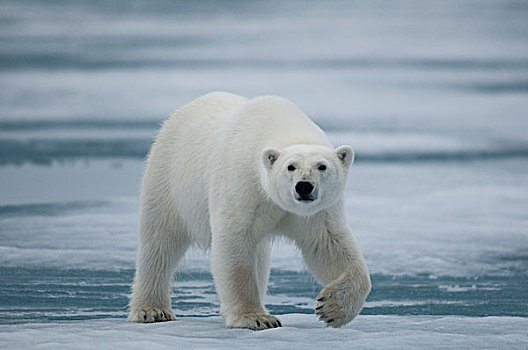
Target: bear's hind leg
x: 160, y: 248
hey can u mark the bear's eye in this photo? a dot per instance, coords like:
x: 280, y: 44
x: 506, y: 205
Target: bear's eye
x: 291, y: 168
x: 322, y: 167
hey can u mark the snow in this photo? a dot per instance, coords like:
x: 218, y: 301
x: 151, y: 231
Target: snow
x: 298, y: 332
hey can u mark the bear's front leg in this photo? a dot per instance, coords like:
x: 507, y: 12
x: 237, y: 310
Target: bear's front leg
x: 333, y: 258
x: 235, y: 273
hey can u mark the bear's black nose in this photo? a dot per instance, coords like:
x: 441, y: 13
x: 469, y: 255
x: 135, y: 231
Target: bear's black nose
x: 303, y: 188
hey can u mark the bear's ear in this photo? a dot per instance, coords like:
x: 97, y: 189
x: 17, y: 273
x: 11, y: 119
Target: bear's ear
x: 269, y: 156
x: 345, y: 154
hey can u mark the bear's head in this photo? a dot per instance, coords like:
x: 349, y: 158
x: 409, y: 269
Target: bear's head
x: 304, y: 179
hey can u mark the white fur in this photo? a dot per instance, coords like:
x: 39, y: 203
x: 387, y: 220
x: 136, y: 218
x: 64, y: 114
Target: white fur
x: 217, y: 176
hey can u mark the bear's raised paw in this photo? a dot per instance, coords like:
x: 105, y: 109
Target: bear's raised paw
x: 340, y: 301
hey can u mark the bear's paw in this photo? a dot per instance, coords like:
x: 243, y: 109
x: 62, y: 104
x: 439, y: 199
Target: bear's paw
x: 256, y: 322
x: 150, y: 315
x: 339, y: 302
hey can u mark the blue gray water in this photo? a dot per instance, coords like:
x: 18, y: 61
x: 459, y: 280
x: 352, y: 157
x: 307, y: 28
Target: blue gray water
x: 432, y: 95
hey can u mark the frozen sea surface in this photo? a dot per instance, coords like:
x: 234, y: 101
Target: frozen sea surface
x: 432, y: 95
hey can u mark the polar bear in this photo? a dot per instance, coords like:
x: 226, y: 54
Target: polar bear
x: 228, y: 174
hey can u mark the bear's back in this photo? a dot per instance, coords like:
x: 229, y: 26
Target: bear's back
x: 269, y: 121
x: 203, y: 112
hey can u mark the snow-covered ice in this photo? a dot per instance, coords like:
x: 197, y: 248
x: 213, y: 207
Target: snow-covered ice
x: 299, y: 332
